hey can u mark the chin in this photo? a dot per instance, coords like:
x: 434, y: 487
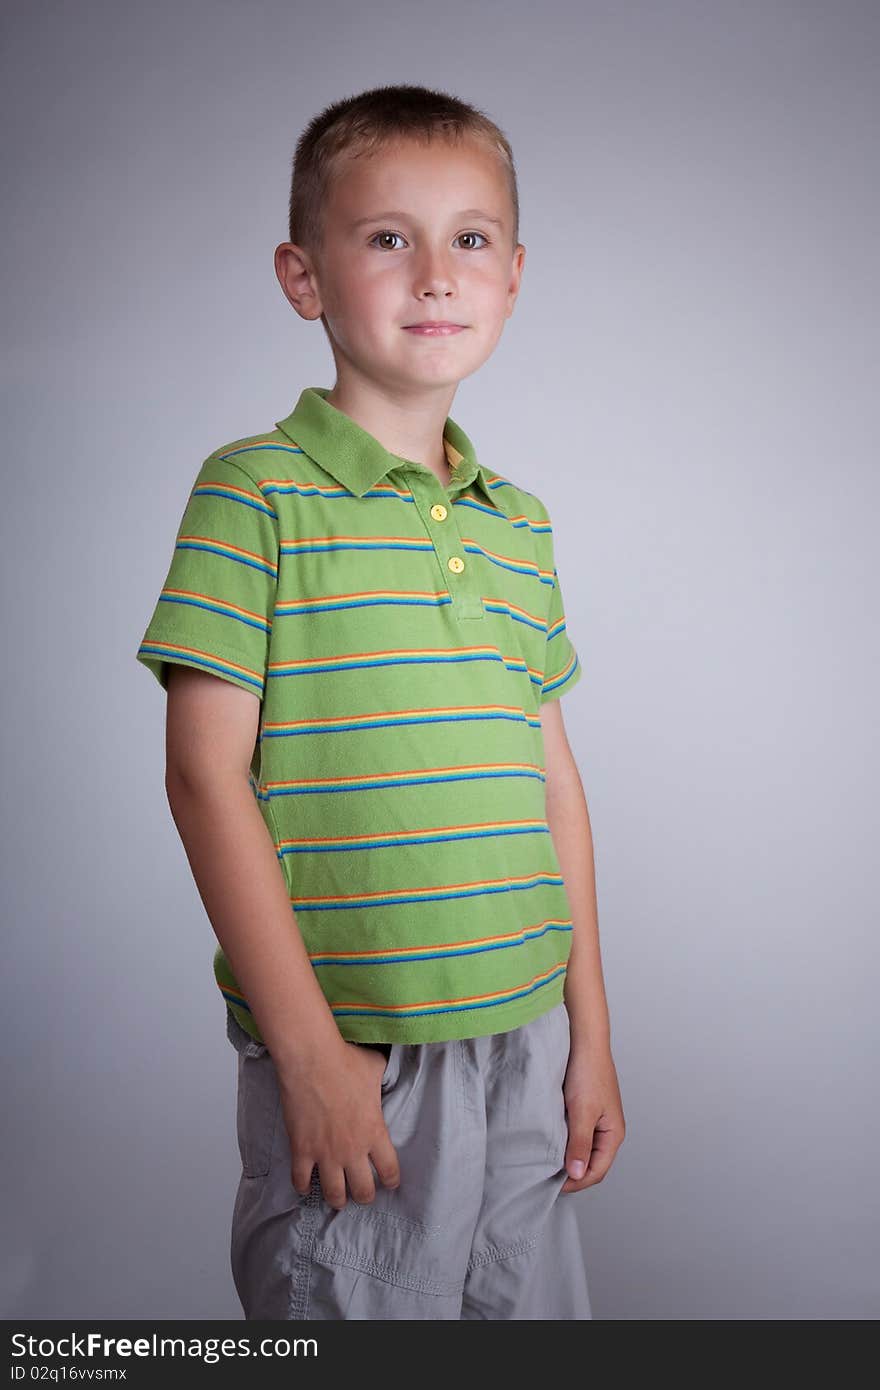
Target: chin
x: 444, y: 373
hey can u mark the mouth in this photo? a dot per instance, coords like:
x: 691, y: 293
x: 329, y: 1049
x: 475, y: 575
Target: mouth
x: 437, y: 328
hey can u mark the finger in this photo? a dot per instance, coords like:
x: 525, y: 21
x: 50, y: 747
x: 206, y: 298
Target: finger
x: 333, y: 1184
x: 385, y: 1161
x: 360, y: 1181
x: 605, y: 1146
x: 301, y: 1169
x: 571, y: 1186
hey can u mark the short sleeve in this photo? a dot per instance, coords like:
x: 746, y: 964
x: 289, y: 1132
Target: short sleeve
x: 562, y: 669
x: 215, y: 609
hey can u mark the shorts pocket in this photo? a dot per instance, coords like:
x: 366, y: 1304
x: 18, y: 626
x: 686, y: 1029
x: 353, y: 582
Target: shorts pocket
x: 558, y: 1035
x: 402, y: 1255
x: 392, y: 1064
x: 258, y: 1108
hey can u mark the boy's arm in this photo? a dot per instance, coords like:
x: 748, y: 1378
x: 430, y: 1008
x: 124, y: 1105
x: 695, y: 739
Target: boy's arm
x: 211, y: 728
x: 569, y: 822
x: 330, y: 1089
x: 596, y: 1124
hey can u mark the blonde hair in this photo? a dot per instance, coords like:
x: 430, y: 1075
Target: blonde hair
x: 360, y: 125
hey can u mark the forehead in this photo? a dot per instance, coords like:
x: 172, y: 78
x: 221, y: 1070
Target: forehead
x: 432, y: 178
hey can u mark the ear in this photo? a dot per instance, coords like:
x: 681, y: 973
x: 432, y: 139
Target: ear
x: 297, y: 280
x: 516, y: 271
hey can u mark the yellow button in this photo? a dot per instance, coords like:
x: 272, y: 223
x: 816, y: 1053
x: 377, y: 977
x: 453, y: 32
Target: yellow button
x: 438, y: 511
x: 456, y: 564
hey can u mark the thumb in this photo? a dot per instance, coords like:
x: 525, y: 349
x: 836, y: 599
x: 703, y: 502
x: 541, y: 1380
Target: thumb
x: 577, y: 1153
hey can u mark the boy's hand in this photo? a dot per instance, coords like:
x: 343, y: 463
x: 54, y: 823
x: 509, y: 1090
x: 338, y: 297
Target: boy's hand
x: 334, y: 1119
x: 596, y: 1126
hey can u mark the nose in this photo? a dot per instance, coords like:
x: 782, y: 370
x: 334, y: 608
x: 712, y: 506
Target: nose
x: 434, y: 274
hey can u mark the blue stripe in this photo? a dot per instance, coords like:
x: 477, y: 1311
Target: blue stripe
x: 559, y: 680
x: 394, y: 721
x: 330, y: 664
x: 451, y: 1008
x: 263, y: 565
x: 391, y: 959
x: 334, y: 606
x: 442, y: 896
x: 419, y: 1013
x: 156, y: 649
x: 422, y: 779
x: 425, y: 839
x: 215, y: 490
x: 263, y: 626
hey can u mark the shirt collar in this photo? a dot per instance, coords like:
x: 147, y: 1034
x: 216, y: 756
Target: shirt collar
x: 357, y: 460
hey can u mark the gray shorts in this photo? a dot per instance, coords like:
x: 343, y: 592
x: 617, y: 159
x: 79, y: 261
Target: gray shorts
x: 478, y: 1227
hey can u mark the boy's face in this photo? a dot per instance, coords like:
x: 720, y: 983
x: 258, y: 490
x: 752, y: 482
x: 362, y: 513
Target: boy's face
x: 428, y: 250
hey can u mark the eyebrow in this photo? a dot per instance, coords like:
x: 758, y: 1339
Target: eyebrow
x: 404, y: 216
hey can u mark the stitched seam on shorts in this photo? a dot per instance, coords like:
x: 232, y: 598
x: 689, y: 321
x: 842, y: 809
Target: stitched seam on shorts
x: 299, y: 1293
x: 486, y: 1257
x: 353, y: 1260
x: 406, y: 1222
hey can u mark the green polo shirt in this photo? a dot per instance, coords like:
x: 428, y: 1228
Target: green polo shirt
x: 401, y: 637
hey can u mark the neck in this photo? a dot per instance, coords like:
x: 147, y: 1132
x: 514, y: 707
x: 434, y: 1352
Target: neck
x: 409, y: 428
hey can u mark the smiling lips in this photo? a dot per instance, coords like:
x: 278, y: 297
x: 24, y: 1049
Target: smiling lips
x: 436, y: 328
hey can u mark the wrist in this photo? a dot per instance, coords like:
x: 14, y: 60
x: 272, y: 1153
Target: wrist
x: 303, y: 1054
x: 589, y: 1029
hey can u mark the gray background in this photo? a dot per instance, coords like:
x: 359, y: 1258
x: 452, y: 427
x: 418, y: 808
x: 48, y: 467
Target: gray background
x: 690, y: 383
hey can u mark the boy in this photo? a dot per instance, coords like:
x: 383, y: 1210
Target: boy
x: 368, y: 645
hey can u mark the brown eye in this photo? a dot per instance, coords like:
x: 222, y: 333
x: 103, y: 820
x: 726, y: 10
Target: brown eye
x: 473, y: 234
x: 386, y: 234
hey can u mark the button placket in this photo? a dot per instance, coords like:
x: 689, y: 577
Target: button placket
x: 441, y: 526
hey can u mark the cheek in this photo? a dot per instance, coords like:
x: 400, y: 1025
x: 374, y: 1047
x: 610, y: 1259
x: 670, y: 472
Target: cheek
x: 490, y: 313
x: 376, y: 299
x: 489, y: 289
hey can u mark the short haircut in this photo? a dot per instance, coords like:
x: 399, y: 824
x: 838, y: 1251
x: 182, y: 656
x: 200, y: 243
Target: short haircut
x: 363, y: 123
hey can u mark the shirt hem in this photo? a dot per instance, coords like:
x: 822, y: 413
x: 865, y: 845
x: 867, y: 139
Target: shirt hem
x: 446, y: 1027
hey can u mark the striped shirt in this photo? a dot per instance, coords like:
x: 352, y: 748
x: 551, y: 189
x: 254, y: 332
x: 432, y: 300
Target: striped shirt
x: 401, y: 637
